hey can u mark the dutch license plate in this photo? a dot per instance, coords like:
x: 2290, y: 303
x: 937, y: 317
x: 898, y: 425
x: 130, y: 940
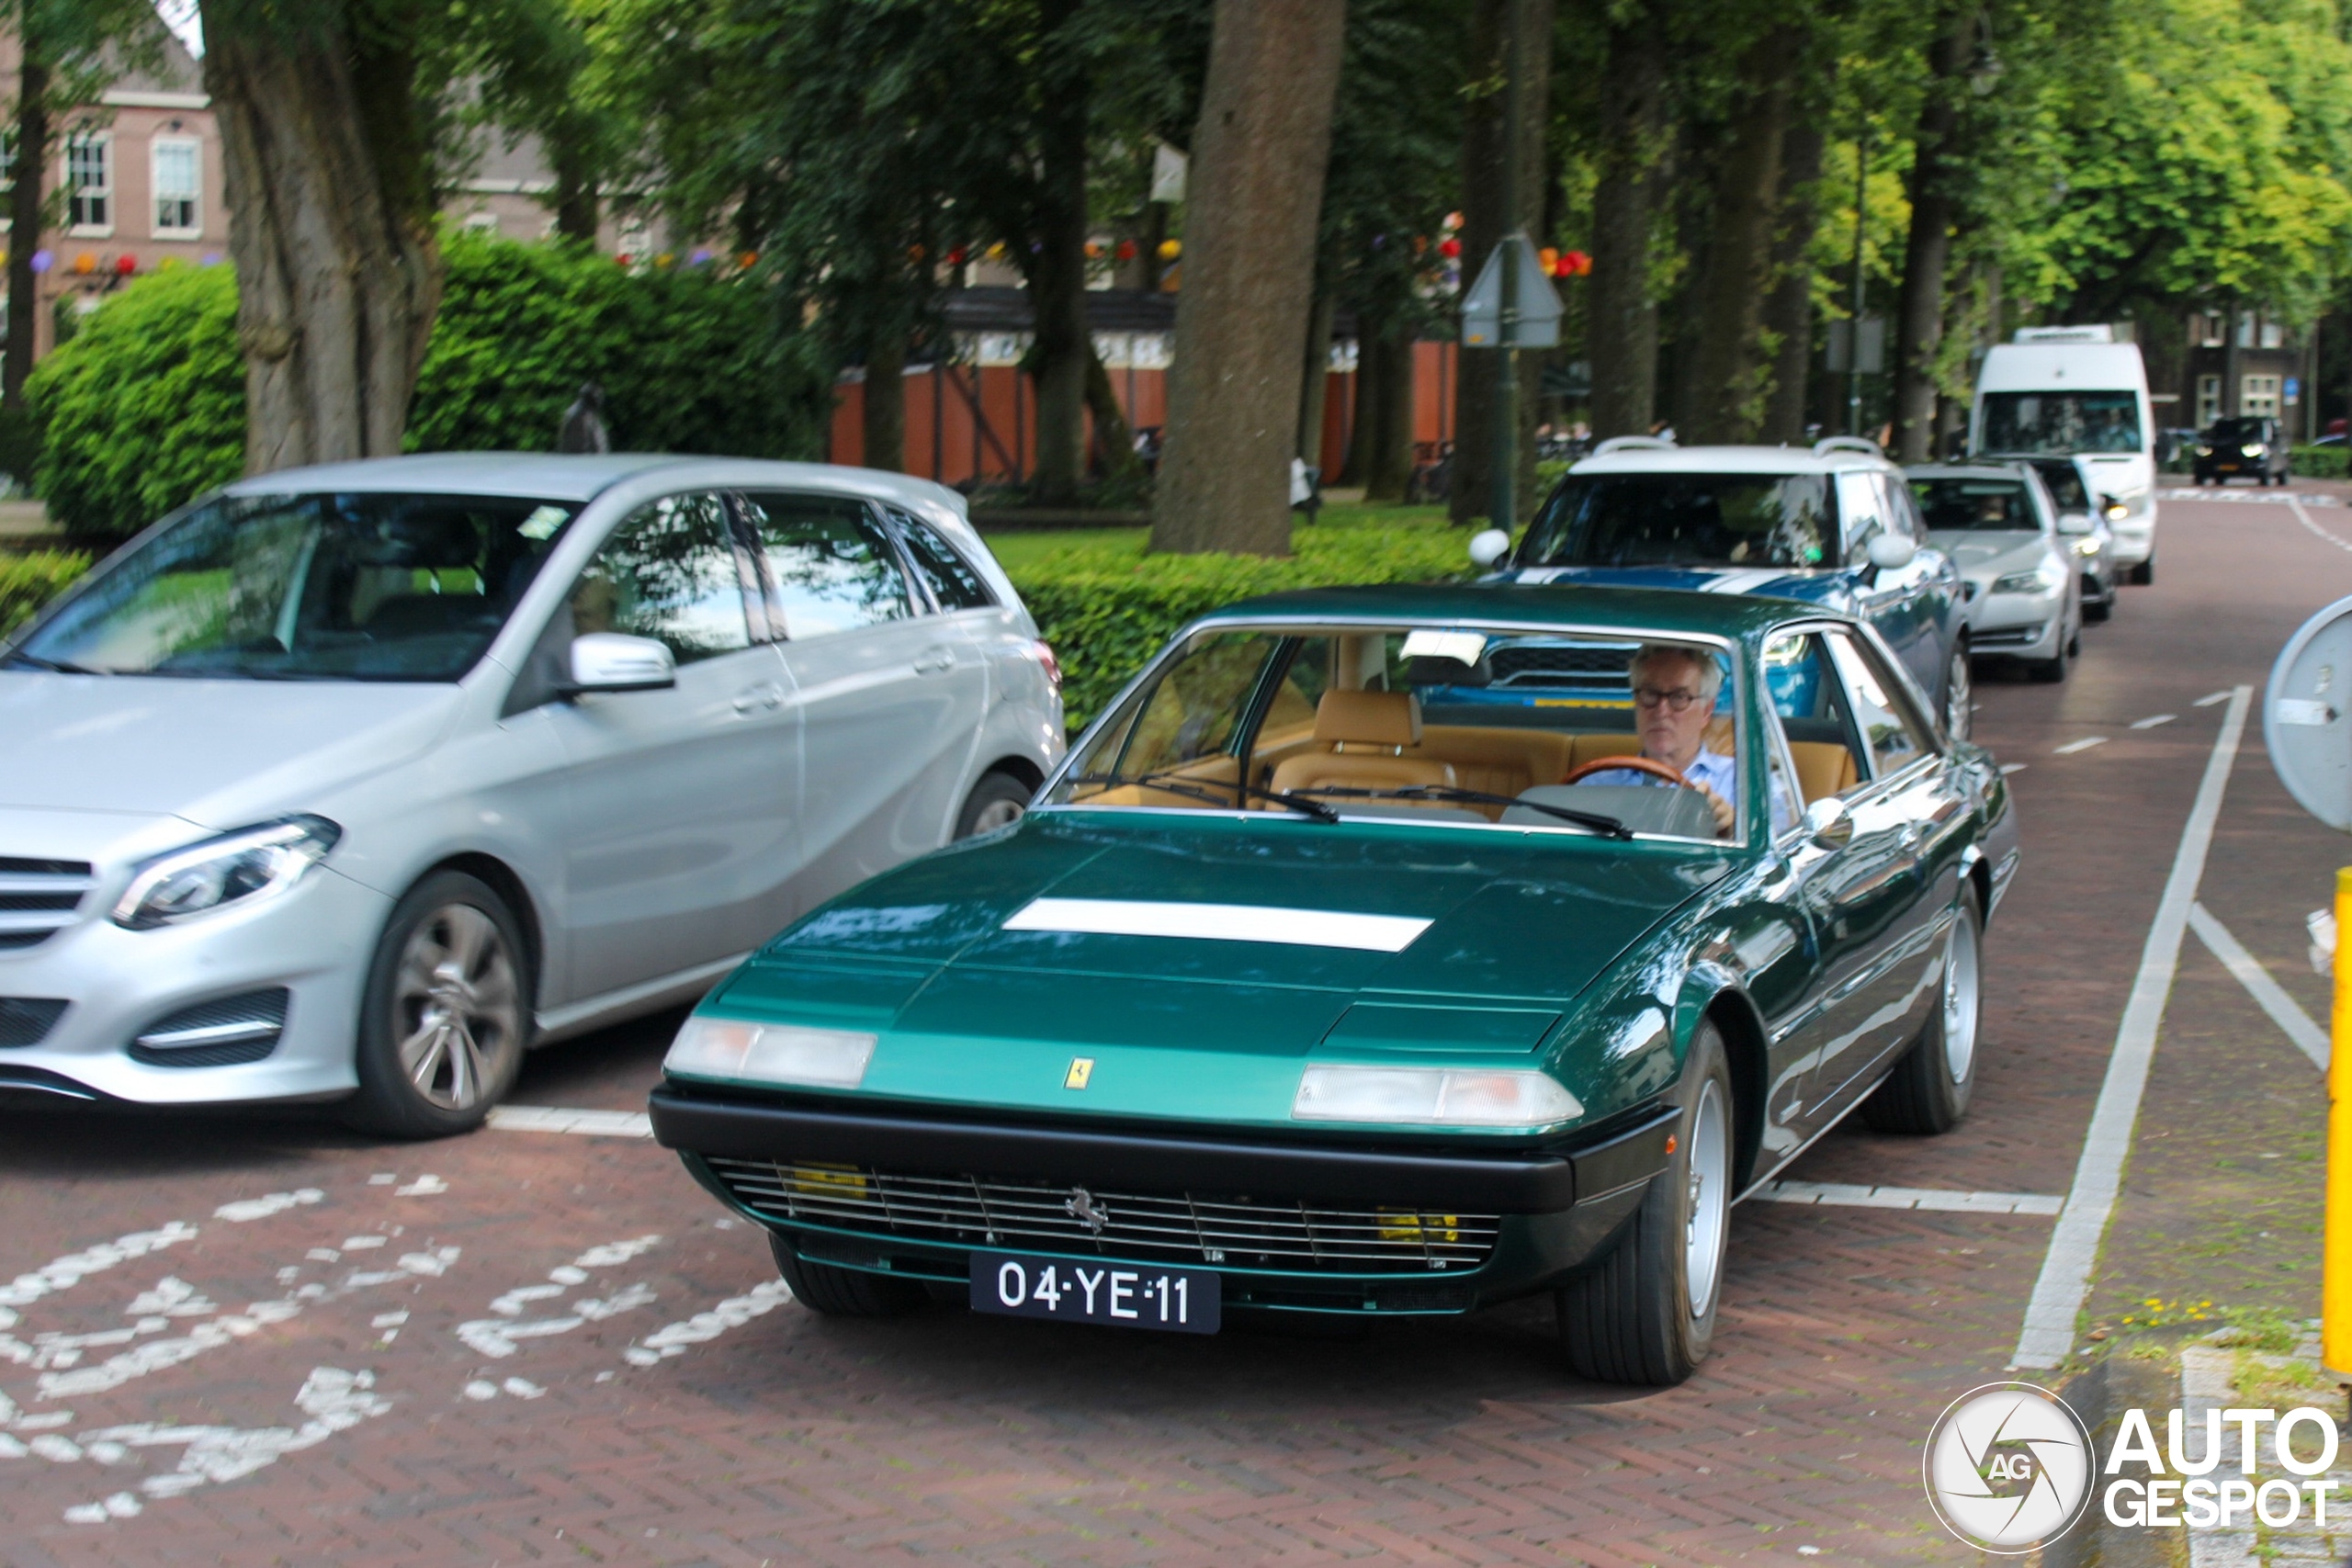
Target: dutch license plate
x: 1179, y: 1301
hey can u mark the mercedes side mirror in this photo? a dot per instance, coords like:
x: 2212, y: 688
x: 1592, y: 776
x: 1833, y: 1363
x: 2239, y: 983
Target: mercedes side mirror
x: 1890, y: 552
x: 607, y: 661
x: 2074, y: 523
x: 1489, y: 545
x: 1827, y: 824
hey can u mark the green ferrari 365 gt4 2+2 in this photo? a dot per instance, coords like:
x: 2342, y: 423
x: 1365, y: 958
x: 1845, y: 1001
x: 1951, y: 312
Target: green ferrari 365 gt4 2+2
x: 1379, y: 952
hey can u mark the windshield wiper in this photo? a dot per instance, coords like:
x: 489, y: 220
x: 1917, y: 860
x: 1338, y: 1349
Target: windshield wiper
x: 1609, y: 827
x: 58, y: 665
x: 1177, y: 783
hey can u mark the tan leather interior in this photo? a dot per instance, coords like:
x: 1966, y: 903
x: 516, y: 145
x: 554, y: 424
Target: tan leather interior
x: 1368, y: 718
x: 1823, y: 769
x: 1367, y: 734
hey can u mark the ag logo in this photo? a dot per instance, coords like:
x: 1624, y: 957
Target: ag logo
x: 2008, y: 1468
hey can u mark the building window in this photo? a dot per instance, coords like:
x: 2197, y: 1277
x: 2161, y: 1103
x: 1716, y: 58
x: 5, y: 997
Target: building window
x: 2273, y: 333
x: 2258, y: 395
x: 89, y: 183
x: 179, y: 186
x: 2207, y: 327
x: 2209, y: 401
x: 7, y: 161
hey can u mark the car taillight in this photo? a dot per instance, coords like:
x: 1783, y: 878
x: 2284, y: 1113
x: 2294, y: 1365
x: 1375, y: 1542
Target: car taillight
x: 1044, y: 652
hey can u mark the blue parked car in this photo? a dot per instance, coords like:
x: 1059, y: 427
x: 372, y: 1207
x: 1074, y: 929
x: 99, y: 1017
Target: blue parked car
x: 1835, y: 525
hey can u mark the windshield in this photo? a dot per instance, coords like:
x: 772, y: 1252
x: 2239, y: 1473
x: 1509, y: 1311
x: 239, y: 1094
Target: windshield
x: 1684, y: 519
x: 2061, y: 421
x: 2239, y: 430
x: 1991, y: 505
x: 2066, y: 483
x: 349, y: 587
x: 1577, y: 732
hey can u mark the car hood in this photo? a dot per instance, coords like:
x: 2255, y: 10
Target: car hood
x: 1200, y: 1028
x: 1818, y: 586
x: 213, y: 753
x: 1991, y: 553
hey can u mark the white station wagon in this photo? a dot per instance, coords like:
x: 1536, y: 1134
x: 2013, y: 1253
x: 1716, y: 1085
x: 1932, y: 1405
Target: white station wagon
x: 352, y: 783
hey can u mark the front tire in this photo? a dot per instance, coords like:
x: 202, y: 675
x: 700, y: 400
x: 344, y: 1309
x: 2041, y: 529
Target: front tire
x: 999, y: 800
x: 1646, y: 1313
x: 1930, y: 1089
x: 1960, y: 694
x: 2145, y: 574
x: 446, y: 1013
x: 834, y: 1291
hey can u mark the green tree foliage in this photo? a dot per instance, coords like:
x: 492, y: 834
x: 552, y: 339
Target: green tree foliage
x: 146, y: 408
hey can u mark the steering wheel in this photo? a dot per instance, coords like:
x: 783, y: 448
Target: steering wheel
x: 1583, y: 771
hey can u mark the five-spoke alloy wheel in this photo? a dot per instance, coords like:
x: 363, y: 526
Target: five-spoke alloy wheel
x: 446, y: 1013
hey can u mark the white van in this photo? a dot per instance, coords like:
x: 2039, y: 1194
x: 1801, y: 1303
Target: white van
x: 2075, y: 391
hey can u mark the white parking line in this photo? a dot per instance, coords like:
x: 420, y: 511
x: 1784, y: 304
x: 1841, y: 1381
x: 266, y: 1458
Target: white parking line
x: 559, y: 1118
x: 2048, y: 1334
x: 2084, y: 744
x: 2153, y: 720
x: 2008, y: 768
x: 2209, y: 698
x: 1840, y: 1194
x: 497, y: 1337
x: 2316, y: 531
x: 671, y: 1340
x: 2309, y: 1037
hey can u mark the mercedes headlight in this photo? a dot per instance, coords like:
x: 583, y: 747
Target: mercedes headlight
x: 1464, y: 1097
x: 2043, y: 578
x: 236, y: 868
x: 2204, y: 451
x: 2252, y: 449
x: 2086, y: 546
x: 787, y: 1054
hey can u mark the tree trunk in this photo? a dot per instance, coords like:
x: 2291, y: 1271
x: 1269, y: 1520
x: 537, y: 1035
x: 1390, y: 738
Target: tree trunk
x: 578, y: 204
x: 1256, y: 194
x: 884, y: 426
x: 1482, y: 230
x: 1314, y: 381
x: 1788, y: 313
x: 1392, y: 454
x: 1364, y: 428
x: 1622, y: 334
x: 1112, y: 432
x: 338, y: 274
x: 1919, y: 306
x: 1725, y: 364
x: 30, y: 145
x: 1056, y: 274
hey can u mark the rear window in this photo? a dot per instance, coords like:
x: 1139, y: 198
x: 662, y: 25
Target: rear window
x: 1782, y: 520
x: 1993, y: 505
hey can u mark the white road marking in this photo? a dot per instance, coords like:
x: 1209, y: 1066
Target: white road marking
x: 2008, y: 768
x: 671, y: 1340
x: 482, y: 1388
x: 2316, y: 531
x: 2309, y: 1037
x: 382, y: 1178
x: 559, y: 1118
x: 2246, y: 497
x: 498, y: 1337
x: 523, y: 1388
x: 75, y: 1267
x: 2049, y: 1333
x: 364, y: 1242
x: 2153, y: 720
x: 1842, y: 1195
x: 246, y: 1210
x: 334, y: 1400
x: 425, y: 1186
x: 2209, y: 698
x: 2084, y: 744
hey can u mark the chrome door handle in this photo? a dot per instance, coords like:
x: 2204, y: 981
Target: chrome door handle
x: 934, y: 659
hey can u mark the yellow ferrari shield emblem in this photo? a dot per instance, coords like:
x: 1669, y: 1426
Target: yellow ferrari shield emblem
x: 1080, y: 1069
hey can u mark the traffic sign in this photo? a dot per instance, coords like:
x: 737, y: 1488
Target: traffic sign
x: 1538, y: 306
x: 2306, y: 721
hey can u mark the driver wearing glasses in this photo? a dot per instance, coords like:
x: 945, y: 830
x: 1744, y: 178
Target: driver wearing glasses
x: 1674, y: 699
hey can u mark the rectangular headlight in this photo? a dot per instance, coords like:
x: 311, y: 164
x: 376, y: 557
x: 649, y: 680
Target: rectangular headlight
x: 770, y: 1053
x: 1443, y: 1095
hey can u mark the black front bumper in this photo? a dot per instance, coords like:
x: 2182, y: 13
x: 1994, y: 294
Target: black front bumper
x: 1538, y: 1182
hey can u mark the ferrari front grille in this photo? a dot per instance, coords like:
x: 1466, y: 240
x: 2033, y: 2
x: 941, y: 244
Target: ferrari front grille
x: 1189, y: 1228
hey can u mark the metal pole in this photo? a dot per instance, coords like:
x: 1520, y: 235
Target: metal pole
x: 1502, y: 510
x: 2336, y: 1252
x: 1854, y: 333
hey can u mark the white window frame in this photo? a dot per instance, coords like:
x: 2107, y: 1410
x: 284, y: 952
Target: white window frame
x: 2258, y: 396
x: 2209, y: 401
x: 104, y: 142
x: 194, y: 228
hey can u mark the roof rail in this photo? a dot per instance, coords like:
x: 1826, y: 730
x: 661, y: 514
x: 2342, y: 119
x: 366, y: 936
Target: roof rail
x: 1632, y: 443
x: 1829, y: 444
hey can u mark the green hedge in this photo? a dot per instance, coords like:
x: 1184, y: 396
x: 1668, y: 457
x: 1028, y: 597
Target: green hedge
x: 2321, y: 462
x: 29, y: 581
x: 146, y: 406
x: 1105, y: 612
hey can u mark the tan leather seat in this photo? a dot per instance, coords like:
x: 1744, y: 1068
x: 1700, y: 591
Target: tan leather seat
x: 1500, y: 761
x: 1360, y: 738
x: 1823, y: 769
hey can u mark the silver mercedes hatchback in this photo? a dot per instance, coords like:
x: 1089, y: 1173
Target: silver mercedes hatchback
x: 354, y: 783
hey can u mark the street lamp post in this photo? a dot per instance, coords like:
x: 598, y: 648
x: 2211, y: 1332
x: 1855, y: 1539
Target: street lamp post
x: 1854, y: 343
x: 1502, y: 500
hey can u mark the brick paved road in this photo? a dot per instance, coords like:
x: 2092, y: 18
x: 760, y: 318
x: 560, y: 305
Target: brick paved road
x: 248, y: 1341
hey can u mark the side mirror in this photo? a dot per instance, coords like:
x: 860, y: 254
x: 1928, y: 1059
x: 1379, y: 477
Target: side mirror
x: 2074, y: 523
x: 1489, y: 545
x: 1890, y: 552
x: 607, y: 661
x: 1827, y: 823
